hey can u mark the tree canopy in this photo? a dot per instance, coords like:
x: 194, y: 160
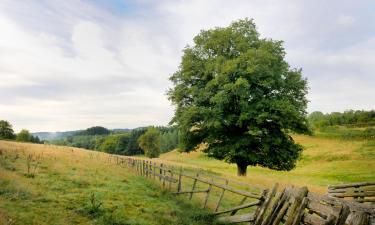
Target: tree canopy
x: 24, y: 136
x: 97, y: 130
x: 150, y: 142
x: 235, y: 92
x: 6, y: 130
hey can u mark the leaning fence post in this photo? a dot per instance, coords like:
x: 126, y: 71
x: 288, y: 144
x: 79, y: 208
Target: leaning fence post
x: 207, y: 194
x: 179, y: 180
x: 242, y: 202
x: 194, y: 184
x: 221, y: 197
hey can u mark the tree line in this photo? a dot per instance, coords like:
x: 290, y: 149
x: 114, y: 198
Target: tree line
x: 7, y: 133
x: 349, y: 118
x: 133, y: 142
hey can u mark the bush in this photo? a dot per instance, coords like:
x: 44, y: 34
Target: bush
x: 150, y: 142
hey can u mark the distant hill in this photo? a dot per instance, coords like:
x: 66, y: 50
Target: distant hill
x: 48, y: 136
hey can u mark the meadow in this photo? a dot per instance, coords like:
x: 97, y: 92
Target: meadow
x: 47, y: 184
x: 44, y: 184
x: 324, y: 161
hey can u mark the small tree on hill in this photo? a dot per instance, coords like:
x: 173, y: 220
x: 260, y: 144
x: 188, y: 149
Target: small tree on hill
x: 150, y: 142
x: 24, y: 136
x: 235, y: 92
x: 6, y: 130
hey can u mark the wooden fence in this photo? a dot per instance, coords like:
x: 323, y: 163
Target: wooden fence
x: 235, y: 202
x: 359, y: 192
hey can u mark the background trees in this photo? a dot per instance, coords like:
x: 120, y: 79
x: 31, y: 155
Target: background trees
x: 25, y: 136
x: 235, y: 92
x: 150, y: 142
x: 354, y: 118
x: 6, y: 130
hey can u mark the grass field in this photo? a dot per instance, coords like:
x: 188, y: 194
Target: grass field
x: 44, y: 184
x: 41, y: 184
x: 324, y: 161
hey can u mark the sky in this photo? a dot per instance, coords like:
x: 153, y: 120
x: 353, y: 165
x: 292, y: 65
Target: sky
x: 67, y: 65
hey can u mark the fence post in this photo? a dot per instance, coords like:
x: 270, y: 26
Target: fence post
x: 143, y: 167
x: 154, y: 170
x: 194, y: 184
x: 164, y: 174
x: 161, y: 171
x: 179, y: 180
x: 146, y: 168
x: 242, y: 202
x: 221, y: 197
x: 207, y: 194
x: 170, y: 178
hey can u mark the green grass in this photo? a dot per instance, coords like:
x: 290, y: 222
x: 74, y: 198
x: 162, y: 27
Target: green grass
x: 72, y: 186
x: 347, y: 133
x: 324, y: 161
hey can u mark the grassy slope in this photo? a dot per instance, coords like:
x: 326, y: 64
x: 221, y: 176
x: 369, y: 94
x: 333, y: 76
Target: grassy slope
x: 67, y: 177
x: 324, y: 162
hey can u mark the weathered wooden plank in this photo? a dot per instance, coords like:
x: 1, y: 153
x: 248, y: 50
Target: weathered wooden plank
x: 281, y: 213
x: 188, y: 192
x: 322, y: 209
x: 365, y: 200
x: 242, y: 202
x: 237, y: 219
x: 263, y: 208
x: 276, y: 206
x: 358, y: 218
x: 313, y: 219
x: 351, y: 185
x: 360, y: 194
x: 353, y: 190
x: 300, y: 212
x: 298, y: 197
x: 244, y: 206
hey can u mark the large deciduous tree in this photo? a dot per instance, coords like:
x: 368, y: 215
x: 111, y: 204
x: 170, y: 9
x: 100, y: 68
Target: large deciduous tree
x: 235, y: 92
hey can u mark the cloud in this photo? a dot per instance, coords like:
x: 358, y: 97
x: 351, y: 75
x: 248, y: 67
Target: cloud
x: 67, y: 65
x: 345, y: 20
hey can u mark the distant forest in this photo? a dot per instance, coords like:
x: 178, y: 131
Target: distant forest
x: 123, y: 142
x: 350, y: 118
x: 347, y: 125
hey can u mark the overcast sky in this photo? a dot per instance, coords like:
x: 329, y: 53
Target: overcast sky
x: 72, y: 64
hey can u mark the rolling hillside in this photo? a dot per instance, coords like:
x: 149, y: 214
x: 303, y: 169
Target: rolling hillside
x: 42, y: 184
x: 324, y: 161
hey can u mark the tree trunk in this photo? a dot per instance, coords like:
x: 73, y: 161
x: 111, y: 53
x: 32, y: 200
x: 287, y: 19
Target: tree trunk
x: 241, y: 169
